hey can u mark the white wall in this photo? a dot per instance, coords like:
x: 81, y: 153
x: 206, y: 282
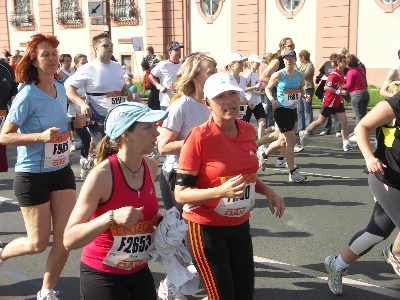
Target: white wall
x: 302, y: 28
x: 378, y: 36
x: 214, y: 38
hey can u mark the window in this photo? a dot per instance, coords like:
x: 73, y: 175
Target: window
x: 126, y: 60
x: 388, y: 6
x: 21, y: 18
x: 289, y: 8
x: 389, y: 1
x: 290, y: 5
x: 209, y: 9
x: 125, y: 13
x: 69, y: 14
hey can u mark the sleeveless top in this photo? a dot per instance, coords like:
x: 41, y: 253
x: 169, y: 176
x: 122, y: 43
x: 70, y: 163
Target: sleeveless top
x: 105, y: 251
x: 280, y: 67
x: 288, y: 86
x: 388, y: 149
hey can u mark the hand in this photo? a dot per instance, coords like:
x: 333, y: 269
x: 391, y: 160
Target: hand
x: 233, y: 187
x: 128, y: 215
x: 308, y: 98
x: 257, y: 85
x: 163, y: 89
x: 251, y: 105
x: 50, y: 134
x: 279, y: 203
x: 80, y: 121
x: 374, y: 165
x: 86, y: 110
x: 274, y: 104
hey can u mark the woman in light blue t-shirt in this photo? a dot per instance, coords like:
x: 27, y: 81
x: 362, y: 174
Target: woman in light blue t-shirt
x: 44, y: 183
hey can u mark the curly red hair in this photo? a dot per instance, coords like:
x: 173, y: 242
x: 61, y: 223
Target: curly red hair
x: 25, y: 71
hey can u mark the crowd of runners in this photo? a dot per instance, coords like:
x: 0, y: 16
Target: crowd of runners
x: 199, y: 119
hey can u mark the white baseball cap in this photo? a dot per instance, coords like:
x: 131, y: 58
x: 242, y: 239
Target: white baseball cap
x: 254, y: 58
x: 219, y: 83
x: 235, y: 57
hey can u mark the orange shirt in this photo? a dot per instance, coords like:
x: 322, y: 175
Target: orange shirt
x: 216, y: 156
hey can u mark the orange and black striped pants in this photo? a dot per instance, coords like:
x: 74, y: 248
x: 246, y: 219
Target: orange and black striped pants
x: 224, y: 258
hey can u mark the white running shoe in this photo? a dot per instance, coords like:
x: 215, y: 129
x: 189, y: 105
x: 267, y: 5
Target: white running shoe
x: 262, y: 162
x: 298, y: 148
x: 323, y: 133
x: 349, y: 146
x: 86, y: 165
x: 390, y: 259
x: 296, y: 176
x: 338, y: 134
x: 353, y: 139
x: 168, y: 292
x: 303, y: 136
x: 280, y: 163
x: 49, y: 296
x: 1, y: 250
x: 334, y: 275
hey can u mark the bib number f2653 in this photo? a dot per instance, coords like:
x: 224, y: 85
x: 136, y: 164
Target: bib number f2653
x: 291, y: 97
x: 56, y: 152
x: 114, y: 98
x: 129, y: 249
x: 237, y: 207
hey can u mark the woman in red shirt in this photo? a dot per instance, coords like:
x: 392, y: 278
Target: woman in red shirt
x: 218, y: 192
x: 117, y: 209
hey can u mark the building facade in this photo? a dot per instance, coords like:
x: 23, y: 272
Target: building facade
x: 219, y: 27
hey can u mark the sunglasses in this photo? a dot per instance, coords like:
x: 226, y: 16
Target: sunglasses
x: 105, y: 45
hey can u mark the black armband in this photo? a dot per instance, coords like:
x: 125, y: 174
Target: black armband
x: 185, y: 180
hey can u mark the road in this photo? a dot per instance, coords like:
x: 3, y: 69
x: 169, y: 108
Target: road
x: 321, y: 216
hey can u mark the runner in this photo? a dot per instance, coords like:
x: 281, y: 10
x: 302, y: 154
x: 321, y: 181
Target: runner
x: 166, y: 72
x: 289, y: 84
x: 392, y: 75
x: 117, y: 205
x: 333, y: 102
x: 44, y: 182
x: 384, y: 170
x: 207, y: 178
x: 103, y: 82
x: 253, y: 95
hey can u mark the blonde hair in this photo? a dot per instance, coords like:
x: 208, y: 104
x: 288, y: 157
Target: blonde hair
x: 394, y: 87
x: 189, y: 69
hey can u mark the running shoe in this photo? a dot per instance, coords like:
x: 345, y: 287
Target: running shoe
x: 298, y: 148
x: 280, y: 163
x: 155, y: 154
x: 1, y: 250
x: 334, y: 275
x: 168, y: 292
x: 262, y: 162
x: 86, y: 165
x: 303, y: 136
x: 353, y: 139
x: 49, y: 296
x: 349, y: 146
x: 323, y: 133
x: 390, y: 259
x: 296, y: 176
x: 338, y: 134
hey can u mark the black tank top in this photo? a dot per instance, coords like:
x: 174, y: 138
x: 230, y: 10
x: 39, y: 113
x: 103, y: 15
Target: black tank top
x: 281, y: 66
x: 388, y: 150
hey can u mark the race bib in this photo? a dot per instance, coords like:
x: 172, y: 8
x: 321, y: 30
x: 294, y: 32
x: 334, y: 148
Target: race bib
x: 114, y: 98
x: 237, y: 207
x: 242, y: 111
x: 56, y: 152
x: 2, y: 118
x: 129, y: 249
x: 291, y: 97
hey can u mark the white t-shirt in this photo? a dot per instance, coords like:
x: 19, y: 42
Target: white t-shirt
x: 183, y: 115
x: 166, y: 71
x: 69, y: 74
x: 242, y: 85
x: 254, y: 96
x: 74, y: 108
x: 96, y: 77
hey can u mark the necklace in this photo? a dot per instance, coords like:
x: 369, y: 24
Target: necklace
x: 134, y: 172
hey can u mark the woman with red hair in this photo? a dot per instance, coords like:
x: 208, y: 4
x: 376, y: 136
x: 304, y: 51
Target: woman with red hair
x: 44, y: 182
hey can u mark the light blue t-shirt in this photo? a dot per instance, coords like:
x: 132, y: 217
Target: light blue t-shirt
x: 34, y: 112
x: 286, y: 83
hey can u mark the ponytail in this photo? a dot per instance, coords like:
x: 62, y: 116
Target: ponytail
x: 105, y: 149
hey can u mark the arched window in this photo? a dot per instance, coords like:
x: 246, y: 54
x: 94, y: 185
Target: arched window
x: 388, y: 5
x: 289, y: 8
x: 22, y: 18
x: 209, y: 9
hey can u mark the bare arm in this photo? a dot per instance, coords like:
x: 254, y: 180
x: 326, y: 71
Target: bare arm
x: 390, y: 76
x: 271, y: 69
x: 72, y: 95
x: 232, y: 188
x: 272, y: 198
x: 380, y: 115
x: 154, y: 82
x: 268, y: 90
x: 10, y: 136
x: 167, y: 143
